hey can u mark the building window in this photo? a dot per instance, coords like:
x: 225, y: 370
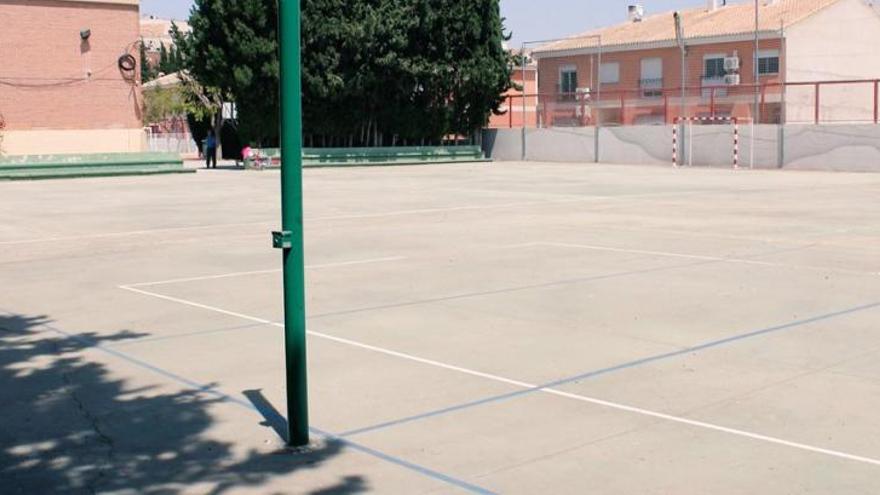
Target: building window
x: 651, y: 81
x: 568, y: 79
x: 714, y: 67
x: 768, y: 62
x: 609, y: 73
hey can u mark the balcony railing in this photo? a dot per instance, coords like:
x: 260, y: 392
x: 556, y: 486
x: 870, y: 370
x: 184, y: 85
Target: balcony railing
x: 713, y: 84
x: 651, y: 87
x: 816, y: 102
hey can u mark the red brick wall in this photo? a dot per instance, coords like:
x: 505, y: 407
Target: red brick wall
x: 630, y: 75
x: 630, y: 65
x: 43, y: 81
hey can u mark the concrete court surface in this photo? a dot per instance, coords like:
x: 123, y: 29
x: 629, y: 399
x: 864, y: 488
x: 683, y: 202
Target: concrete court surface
x: 505, y: 328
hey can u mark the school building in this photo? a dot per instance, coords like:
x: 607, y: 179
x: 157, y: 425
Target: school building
x: 70, y: 76
x: 641, y: 72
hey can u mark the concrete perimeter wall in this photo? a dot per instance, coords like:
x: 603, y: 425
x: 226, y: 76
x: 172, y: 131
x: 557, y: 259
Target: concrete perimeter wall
x: 805, y: 147
x: 72, y: 141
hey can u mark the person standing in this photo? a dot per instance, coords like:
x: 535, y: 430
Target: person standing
x: 211, y: 150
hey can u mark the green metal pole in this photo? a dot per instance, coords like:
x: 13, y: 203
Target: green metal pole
x: 291, y: 238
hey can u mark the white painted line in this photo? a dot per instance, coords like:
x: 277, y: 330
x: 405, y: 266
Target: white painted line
x: 572, y: 199
x: 200, y: 306
x: 264, y: 272
x: 206, y: 277
x: 705, y: 258
x: 439, y: 210
x: 130, y: 233
x: 577, y: 199
x: 526, y: 385
x: 718, y: 428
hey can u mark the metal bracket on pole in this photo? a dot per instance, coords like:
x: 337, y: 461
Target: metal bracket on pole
x: 282, y: 239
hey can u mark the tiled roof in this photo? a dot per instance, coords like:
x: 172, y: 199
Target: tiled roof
x: 173, y: 79
x: 697, y: 23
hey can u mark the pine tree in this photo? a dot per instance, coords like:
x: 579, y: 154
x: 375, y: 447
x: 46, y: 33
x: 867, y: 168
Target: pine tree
x: 233, y: 47
x: 148, y: 72
x: 163, y: 59
x: 374, y: 71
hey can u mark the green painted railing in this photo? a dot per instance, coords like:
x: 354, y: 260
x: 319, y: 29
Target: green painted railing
x: 88, y: 160
x: 89, y: 165
x: 412, y: 155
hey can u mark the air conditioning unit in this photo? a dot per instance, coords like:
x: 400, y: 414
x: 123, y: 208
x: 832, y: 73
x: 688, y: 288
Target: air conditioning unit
x: 731, y: 64
x: 732, y: 79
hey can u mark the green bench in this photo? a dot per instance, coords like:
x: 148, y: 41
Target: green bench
x: 33, y: 167
x: 360, y: 157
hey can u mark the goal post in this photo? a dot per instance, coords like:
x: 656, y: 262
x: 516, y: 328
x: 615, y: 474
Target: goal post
x: 685, y: 133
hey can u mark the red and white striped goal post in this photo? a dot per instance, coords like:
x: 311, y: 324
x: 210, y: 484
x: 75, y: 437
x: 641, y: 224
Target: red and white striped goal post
x: 728, y: 120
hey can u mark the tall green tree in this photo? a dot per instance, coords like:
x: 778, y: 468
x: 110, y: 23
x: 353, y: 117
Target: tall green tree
x: 375, y: 72
x: 233, y: 47
x: 170, y: 59
x: 148, y: 72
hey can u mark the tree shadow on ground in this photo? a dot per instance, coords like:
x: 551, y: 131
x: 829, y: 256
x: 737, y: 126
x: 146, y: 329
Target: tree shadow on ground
x: 68, y: 426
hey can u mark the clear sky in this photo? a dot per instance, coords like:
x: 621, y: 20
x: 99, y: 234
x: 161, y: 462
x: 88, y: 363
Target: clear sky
x: 528, y: 19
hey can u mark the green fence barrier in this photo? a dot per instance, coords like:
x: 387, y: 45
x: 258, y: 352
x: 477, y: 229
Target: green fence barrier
x: 26, y: 167
x: 341, y: 157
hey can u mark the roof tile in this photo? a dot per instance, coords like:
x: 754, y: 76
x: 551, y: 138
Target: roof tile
x: 698, y: 23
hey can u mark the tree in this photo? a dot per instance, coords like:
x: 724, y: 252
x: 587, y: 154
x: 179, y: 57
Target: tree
x: 148, y: 72
x: 233, y: 47
x: 480, y: 64
x: 170, y: 59
x: 204, y: 108
x: 375, y: 72
x: 163, y: 58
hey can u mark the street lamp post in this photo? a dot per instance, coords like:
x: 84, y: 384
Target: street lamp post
x: 757, y: 113
x: 679, y: 38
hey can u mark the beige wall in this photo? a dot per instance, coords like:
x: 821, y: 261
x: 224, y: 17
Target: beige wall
x: 839, y: 43
x: 33, y: 142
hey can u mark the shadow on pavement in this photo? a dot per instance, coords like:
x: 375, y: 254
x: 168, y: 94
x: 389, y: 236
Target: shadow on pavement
x: 68, y: 426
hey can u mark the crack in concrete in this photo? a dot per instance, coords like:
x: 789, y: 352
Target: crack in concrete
x: 94, y: 424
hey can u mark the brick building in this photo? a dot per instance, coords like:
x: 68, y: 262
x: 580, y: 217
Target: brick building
x: 524, y: 81
x: 65, y: 83
x: 639, y: 80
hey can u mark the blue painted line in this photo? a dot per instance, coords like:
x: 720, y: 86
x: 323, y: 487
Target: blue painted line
x: 611, y: 369
x: 510, y: 290
x: 409, y: 465
x: 202, y: 333
x: 545, y: 285
x: 272, y: 416
x: 208, y: 389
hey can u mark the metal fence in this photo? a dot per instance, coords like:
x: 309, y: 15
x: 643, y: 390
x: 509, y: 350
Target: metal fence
x: 171, y: 142
x: 814, y: 102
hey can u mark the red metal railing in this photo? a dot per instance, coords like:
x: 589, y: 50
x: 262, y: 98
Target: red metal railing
x: 777, y: 102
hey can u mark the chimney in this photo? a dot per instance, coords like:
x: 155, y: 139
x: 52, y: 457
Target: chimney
x: 636, y: 13
x: 713, y: 5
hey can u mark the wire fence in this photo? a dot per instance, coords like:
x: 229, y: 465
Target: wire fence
x: 813, y: 102
x: 171, y: 142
